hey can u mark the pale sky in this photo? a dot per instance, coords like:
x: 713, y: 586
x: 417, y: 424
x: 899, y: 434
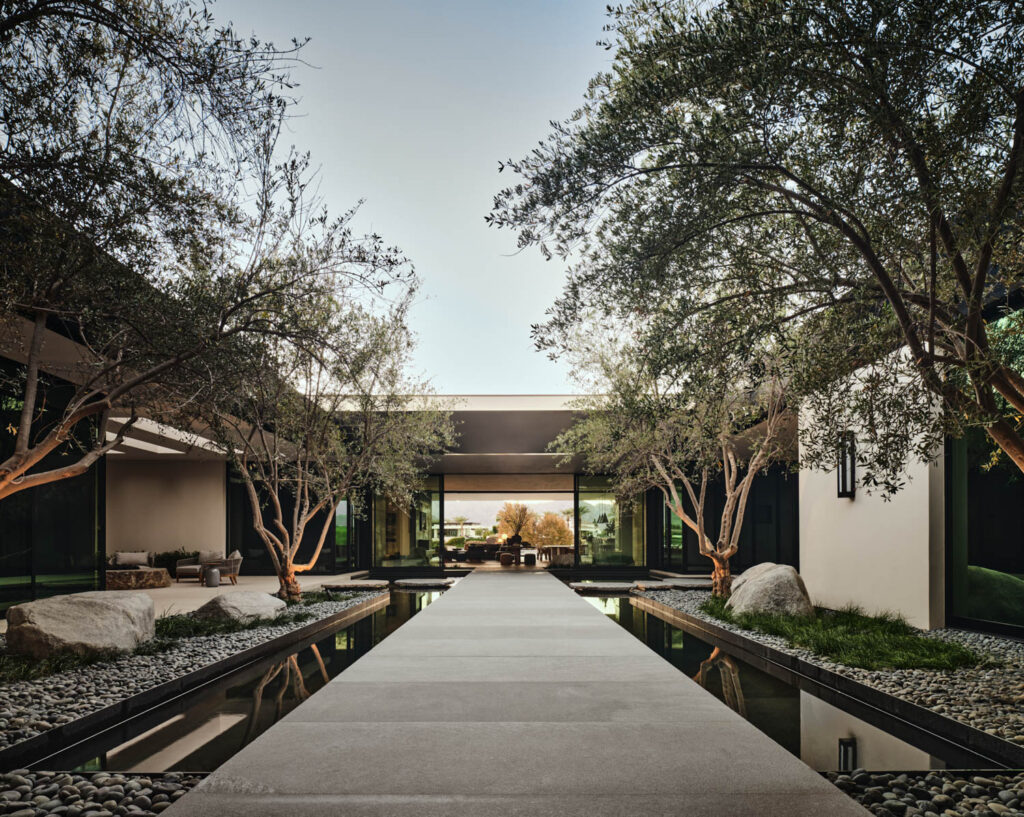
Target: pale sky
x: 410, y: 106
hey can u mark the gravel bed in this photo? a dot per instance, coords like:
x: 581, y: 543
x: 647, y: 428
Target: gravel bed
x: 29, y: 708
x: 934, y: 794
x: 989, y: 698
x: 100, y: 794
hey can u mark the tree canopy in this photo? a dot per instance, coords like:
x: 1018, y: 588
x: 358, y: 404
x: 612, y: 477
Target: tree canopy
x: 149, y: 217
x: 851, y: 171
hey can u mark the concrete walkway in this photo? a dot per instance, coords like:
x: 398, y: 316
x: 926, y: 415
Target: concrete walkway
x: 511, y: 695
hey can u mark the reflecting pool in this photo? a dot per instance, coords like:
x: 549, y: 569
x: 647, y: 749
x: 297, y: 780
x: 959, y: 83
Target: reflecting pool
x: 821, y: 732
x: 217, y: 720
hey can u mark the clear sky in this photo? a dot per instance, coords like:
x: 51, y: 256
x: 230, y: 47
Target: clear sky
x: 410, y: 105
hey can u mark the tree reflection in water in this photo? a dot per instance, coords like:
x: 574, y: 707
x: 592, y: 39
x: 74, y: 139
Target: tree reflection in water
x: 729, y: 673
x: 291, y: 677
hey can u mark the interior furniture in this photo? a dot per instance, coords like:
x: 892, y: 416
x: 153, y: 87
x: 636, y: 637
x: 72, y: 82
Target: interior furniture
x: 138, y: 578
x: 228, y: 567
x: 193, y: 568
x: 506, y: 558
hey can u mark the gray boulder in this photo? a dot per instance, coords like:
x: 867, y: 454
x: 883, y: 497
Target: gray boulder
x: 751, y: 573
x: 82, y: 623
x: 770, y: 588
x: 241, y: 605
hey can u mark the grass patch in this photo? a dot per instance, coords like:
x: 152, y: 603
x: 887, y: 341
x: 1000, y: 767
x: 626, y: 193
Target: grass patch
x: 14, y: 668
x: 850, y: 637
x: 173, y: 628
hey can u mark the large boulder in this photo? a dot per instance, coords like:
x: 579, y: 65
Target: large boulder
x: 82, y: 623
x: 241, y: 605
x: 770, y: 588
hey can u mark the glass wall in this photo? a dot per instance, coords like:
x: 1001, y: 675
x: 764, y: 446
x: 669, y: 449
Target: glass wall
x: 342, y: 535
x: 611, y: 533
x: 770, y: 531
x: 984, y: 535
x: 408, y: 537
x: 50, y: 536
x: 242, y: 535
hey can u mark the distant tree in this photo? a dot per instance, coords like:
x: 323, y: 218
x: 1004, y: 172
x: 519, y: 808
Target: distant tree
x: 516, y: 518
x: 552, y: 529
x: 852, y: 169
x: 461, y: 522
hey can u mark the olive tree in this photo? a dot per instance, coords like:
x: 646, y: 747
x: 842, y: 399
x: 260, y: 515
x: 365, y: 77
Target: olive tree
x: 144, y: 207
x: 309, y: 425
x: 684, y: 431
x: 853, y: 170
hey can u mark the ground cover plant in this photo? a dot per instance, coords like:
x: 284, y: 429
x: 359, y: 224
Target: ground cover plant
x: 169, y: 630
x: 850, y: 637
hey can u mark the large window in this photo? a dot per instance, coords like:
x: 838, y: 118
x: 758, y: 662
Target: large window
x: 611, y: 532
x: 408, y: 536
x: 984, y: 534
x: 49, y: 536
x: 342, y: 536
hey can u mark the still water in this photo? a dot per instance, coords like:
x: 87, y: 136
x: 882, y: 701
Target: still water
x: 212, y: 723
x: 221, y: 718
x: 797, y: 719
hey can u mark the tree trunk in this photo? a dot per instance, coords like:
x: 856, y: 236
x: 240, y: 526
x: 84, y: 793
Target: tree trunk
x: 290, y: 590
x: 721, y: 577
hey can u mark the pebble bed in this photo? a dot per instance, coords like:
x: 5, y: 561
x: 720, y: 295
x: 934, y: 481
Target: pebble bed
x: 102, y: 794
x: 987, y: 697
x: 29, y: 708
x: 934, y: 794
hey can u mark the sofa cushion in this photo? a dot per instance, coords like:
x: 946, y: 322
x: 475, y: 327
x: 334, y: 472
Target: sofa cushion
x: 234, y: 555
x: 136, y: 558
x: 210, y: 556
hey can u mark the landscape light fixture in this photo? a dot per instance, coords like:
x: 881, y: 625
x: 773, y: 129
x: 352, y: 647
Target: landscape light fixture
x: 847, y: 754
x: 846, y: 465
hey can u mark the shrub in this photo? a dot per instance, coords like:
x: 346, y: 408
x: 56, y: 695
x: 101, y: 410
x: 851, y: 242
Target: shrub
x: 169, y: 558
x: 455, y: 542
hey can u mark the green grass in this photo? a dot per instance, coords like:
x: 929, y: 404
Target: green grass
x: 850, y: 637
x: 994, y: 596
x: 15, y: 668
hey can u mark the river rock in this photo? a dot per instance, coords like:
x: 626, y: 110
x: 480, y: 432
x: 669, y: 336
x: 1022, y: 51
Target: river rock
x: 771, y: 588
x: 241, y: 605
x: 82, y: 623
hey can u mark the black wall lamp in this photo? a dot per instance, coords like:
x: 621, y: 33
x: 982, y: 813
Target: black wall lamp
x: 846, y: 470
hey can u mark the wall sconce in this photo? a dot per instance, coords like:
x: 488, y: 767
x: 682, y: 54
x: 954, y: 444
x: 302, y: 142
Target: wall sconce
x: 847, y: 754
x: 846, y: 465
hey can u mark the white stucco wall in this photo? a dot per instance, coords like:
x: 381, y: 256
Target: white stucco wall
x: 161, y: 505
x: 881, y: 555
x: 822, y: 725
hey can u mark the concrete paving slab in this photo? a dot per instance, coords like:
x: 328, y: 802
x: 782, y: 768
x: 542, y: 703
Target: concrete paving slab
x: 358, y: 584
x: 527, y: 701
x: 513, y: 647
x: 600, y: 759
x: 465, y: 710
x: 457, y: 669
x: 423, y: 583
x: 602, y: 587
